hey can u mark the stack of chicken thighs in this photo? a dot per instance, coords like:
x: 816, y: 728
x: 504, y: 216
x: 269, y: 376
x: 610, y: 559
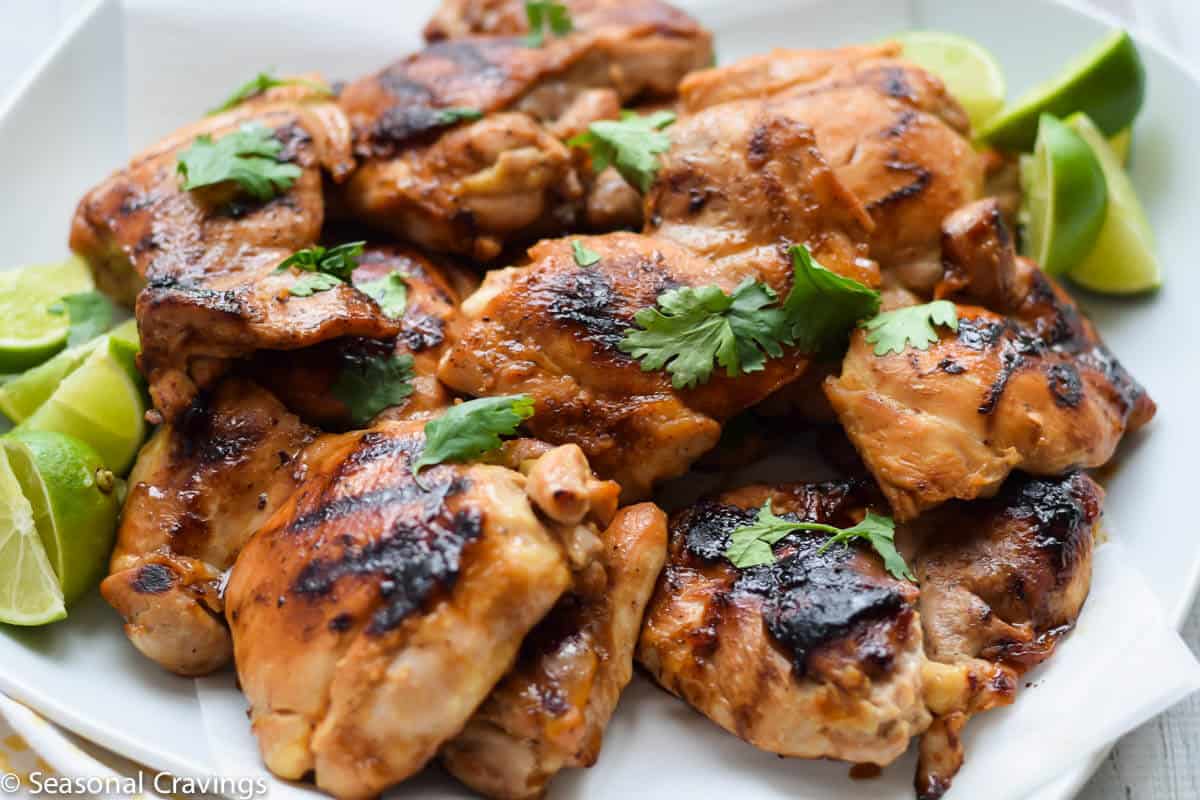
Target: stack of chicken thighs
x: 488, y: 615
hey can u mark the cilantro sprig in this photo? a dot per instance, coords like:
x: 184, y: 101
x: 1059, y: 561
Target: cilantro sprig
x: 89, y: 314
x: 913, y: 326
x: 311, y: 283
x: 260, y: 83
x: 248, y: 157
x: 546, y: 13
x: 369, y: 384
x: 390, y: 292
x: 750, y: 545
x: 584, y: 256
x: 340, y: 261
x: 470, y: 429
x: 691, y: 328
x: 632, y: 144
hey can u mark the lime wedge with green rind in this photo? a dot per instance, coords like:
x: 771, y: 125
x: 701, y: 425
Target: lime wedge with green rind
x: 100, y: 404
x: 29, y: 590
x: 1108, y: 83
x: 29, y: 332
x: 1123, y: 259
x: 1065, y: 198
x: 74, y: 500
x: 970, y: 72
x: 24, y: 394
x: 1121, y: 143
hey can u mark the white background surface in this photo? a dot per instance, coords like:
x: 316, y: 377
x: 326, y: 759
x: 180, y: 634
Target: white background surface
x: 1157, y: 761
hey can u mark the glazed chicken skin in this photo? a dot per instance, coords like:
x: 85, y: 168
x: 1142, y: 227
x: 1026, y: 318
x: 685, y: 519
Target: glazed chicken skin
x: 551, y: 710
x: 470, y: 188
x: 552, y: 329
x: 304, y: 379
x: 815, y: 656
x: 207, y: 258
x: 895, y: 137
x: 372, y: 614
x: 201, y: 486
x: 1034, y: 390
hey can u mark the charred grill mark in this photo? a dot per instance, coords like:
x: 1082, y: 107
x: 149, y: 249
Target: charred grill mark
x: 1128, y: 391
x: 951, y: 367
x: 1065, y: 384
x: 900, y: 126
x: 404, y: 89
x: 403, y: 124
x: 341, y: 623
x: 759, y: 149
x: 1060, y: 511
x: 586, y: 300
x: 153, y: 579
x: 422, y: 331
x: 894, y: 83
x: 921, y: 180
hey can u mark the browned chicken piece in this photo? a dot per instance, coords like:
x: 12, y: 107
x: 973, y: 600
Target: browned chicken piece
x: 550, y: 712
x: 1035, y: 390
x: 139, y: 224
x: 895, y: 137
x: 372, y: 614
x: 551, y: 329
x: 817, y: 655
x: 304, y: 379
x: 471, y: 187
x: 1002, y: 581
x: 199, y: 489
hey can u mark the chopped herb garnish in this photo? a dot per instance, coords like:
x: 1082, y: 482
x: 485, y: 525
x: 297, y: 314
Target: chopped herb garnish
x: 470, y: 429
x: 369, y: 384
x: 390, y: 292
x: 339, y: 261
x: 750, y: 545
x: 913, y: 326
x: 310, y: 283
x: 692, y: 327
x: 449, y: 116
x: 631, y: 144
x: 583, y: 256
x: 546, y: 13
x: 248, y: 157
x: 263, y: 81
x: 90, y: 314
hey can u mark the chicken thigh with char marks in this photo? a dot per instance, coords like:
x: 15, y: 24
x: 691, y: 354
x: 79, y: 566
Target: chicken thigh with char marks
x: 373, y: 613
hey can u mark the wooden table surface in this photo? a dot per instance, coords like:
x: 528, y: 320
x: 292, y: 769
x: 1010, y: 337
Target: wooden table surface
x: 1160, y: 760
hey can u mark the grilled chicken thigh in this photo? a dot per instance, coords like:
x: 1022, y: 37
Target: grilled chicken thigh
x: 552, y: 329
x: 816, y: 656
x: 1035, y: 390
x: 373, y: 613
x: 471, y: 187
x: 201, y: 486
x: 896, y: 139
x: 551, y: 710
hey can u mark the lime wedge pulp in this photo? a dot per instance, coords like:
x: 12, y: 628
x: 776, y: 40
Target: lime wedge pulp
x: 970, y: 73
x: 1123, y: 259
x: 29, y: 589
x: 1065, y: 198
x: 1108, y: 83
x: 99, y: 403
x: 29, y: 332
x: 74, y: 501
x: 24, y: 394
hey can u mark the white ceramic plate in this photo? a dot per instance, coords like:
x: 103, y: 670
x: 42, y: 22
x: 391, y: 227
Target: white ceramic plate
x: 82, y: 112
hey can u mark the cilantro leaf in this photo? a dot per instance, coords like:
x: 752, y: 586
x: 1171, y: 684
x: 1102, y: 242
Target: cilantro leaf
x: 90, y: 314
x: 261, y: 83
x: 470, y: 429
x: 631, y: 144
x: 453, y: 114
x: 583, y: 256
x: 310, y: 283
x: 390, y: 292
x: 750, y: 545
x: 823, y: 306
x: 894, y: 330
x: 369, y: 384
x: 339, y: 261
x: 248, y: 157
x: 541, y: 13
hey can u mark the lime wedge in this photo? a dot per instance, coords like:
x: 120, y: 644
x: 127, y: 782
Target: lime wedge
x: 970, y: 73
x: 1108, y: 83
x: 99, y: 403
x: 29, y: 332
x: 1065, y: 198
x: 1123, y: 260
x: 1120, y: 143
x: 74, y: 501
x: 29, y: 590
x: 24, y: 394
